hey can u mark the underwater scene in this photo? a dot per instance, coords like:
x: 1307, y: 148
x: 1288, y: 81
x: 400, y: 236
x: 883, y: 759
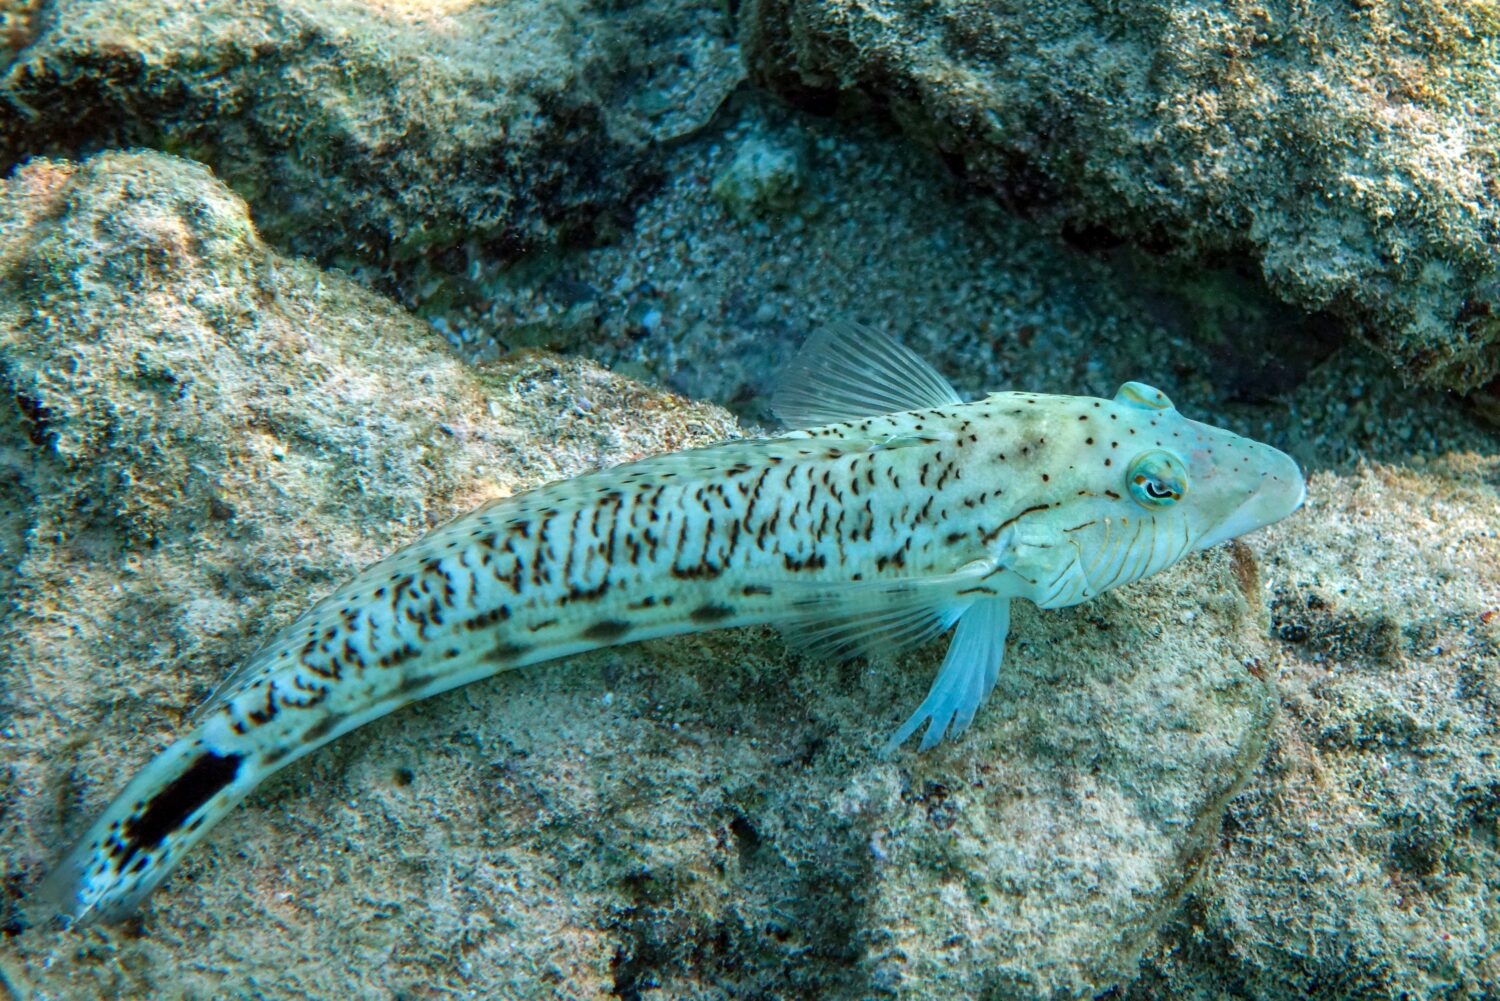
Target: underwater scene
x: 750, y: 500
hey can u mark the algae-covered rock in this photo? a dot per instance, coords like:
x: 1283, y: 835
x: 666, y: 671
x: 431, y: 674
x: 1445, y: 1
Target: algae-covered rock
x: 414, y: 140
x: 765, y: 178
x: 1364, y: 858
x: 1353, y: 150
x: 203, y: 436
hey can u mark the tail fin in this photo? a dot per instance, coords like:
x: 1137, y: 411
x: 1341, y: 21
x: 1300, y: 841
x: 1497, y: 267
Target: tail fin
x: 139, y: 839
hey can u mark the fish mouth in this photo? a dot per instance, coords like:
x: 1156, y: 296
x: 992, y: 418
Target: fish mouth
x: 1283, y: 493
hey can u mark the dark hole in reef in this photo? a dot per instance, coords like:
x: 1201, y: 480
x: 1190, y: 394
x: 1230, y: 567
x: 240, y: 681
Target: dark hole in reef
x: 746, y: 837
x: 12, y: 923
x: 1090, y: 238
x: 1417, y: 851
x: 35, y: 419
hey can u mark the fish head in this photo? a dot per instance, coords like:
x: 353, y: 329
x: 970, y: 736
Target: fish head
x: 1143, y: 487
x: 1220, y: 485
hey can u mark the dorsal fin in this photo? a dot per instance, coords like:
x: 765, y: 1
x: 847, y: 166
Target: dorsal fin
x: 846, y: 371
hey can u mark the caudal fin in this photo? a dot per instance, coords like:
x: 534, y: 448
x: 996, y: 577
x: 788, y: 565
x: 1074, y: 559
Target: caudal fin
x: 143, y: 834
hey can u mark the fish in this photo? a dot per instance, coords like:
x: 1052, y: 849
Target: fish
x: 892, y: 512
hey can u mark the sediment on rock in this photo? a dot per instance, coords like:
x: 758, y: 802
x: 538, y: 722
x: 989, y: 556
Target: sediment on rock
x: 423, y: 144
x: 1342, y: 148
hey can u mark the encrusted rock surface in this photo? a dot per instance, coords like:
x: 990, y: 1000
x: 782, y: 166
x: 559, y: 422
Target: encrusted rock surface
x: 417, y: 141
x: 1352, y: 150
x: 202, y: 436
x: 1363, y: 859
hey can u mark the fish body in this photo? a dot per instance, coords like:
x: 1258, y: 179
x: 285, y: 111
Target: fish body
x: 899, y: 512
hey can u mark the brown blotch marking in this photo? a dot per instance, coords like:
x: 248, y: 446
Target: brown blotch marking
x: 413, y: 684
x: 263, y: 716
x: 488, y: 618
x: 750, y: 590
x: 703, y: 571
x: 711, y: 613
x: 815, y: 561
x: 398, y: 657
x: 577, y: 593
x: 507, y: 652
x: 320, y: 729
x: 606, y: 629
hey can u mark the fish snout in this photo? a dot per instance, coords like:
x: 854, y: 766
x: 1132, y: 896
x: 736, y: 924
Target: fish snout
x: 1270, y: 489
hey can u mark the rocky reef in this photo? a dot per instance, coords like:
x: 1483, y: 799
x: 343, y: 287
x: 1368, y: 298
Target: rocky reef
x: 382, y: 136
x: 430, y: 145
x: 217, y: 433
x: 1362, y: 860
x: 1269, y: 773
x: 1351, y: 151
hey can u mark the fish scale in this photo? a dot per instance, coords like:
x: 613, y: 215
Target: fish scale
x: 868, y: 532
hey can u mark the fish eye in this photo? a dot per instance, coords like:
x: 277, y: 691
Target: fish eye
x: 1156, y: 479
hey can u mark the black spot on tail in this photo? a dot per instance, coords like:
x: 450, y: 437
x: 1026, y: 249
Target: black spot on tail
x: 167, y: 810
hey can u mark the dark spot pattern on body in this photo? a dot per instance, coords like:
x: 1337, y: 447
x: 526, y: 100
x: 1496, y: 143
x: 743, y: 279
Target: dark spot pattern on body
x: 606, y: 630
x: 488, y: 618
x: 400, y: 656
x: 506, y: 652
x: 320, y: 729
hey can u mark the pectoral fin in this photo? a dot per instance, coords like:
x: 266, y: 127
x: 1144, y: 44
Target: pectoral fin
x: 966, y: 678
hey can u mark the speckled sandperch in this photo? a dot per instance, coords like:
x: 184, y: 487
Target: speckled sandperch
x: 899, y: 511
